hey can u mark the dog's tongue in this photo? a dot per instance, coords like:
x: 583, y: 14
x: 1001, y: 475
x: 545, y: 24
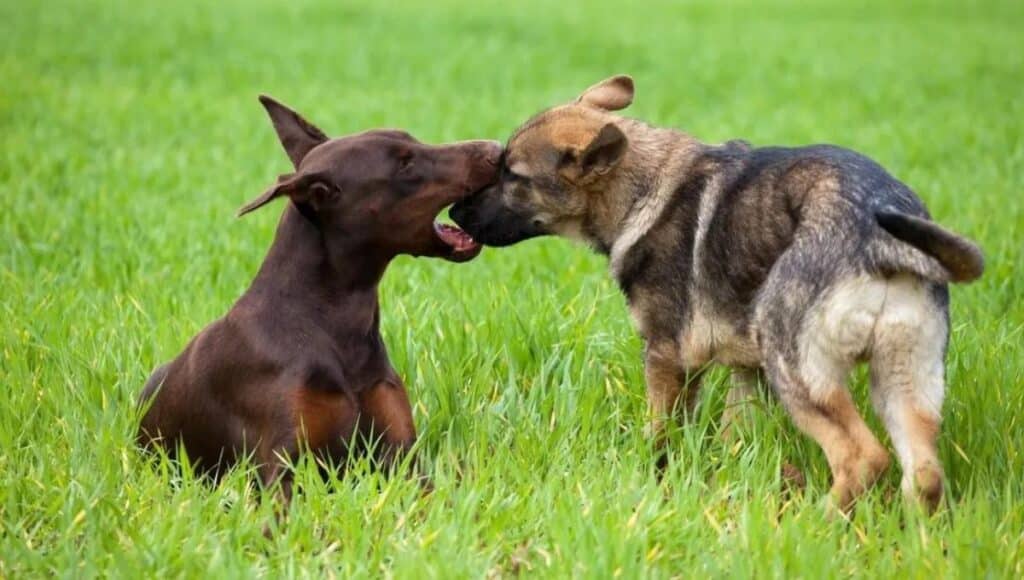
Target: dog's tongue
x: 459, y: 240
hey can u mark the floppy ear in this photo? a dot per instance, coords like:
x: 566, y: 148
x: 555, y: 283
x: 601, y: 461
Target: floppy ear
x: 301, y: 188
x: 298, y: 136
x: 604, y: 151
x: 611, y: 94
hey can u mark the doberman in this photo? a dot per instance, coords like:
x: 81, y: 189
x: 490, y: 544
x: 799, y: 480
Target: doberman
x: 298, y: 362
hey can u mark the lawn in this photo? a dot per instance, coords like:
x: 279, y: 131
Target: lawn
x: 130, y: 132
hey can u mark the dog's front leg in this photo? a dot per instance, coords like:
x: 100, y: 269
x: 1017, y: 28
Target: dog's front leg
x: 385, y: 410
x: 672, y: 391
x: 274, y: 471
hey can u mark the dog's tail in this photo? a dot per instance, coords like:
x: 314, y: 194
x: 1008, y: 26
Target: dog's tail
x: 925, y: 248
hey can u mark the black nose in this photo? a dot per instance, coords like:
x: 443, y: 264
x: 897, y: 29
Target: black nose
x: 466, y: 212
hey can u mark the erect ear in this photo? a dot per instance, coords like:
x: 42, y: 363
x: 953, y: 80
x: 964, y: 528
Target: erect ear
x: 611, y: 94
x: 298, y: 136
x: 300, y: 187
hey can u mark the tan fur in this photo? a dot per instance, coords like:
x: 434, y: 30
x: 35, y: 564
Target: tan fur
x: 671, y: 391
x: 386, y: 408
x: 600, y: 201
x: 854, y: 455
x: 611, y: 94
x: 908, y: 385
x: 322, y: 416
x: 790, y: 264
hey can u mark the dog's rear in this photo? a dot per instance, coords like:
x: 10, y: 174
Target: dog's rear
x: 860, y: 284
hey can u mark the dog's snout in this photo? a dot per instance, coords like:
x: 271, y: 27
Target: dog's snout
x: 491, y: 151
x: 485, y: 150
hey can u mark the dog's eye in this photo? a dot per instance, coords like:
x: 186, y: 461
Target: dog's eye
x: 404, y: 160
x: 516, y: 177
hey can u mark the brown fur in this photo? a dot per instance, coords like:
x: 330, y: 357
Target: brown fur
x: 298, y: 362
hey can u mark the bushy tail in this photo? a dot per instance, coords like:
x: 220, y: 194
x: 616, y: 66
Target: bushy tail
x: 927, y: 249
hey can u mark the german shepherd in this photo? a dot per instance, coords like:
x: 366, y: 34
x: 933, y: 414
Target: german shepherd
x: 789, y: 263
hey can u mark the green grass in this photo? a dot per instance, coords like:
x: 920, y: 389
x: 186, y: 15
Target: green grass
x: 129, y: 133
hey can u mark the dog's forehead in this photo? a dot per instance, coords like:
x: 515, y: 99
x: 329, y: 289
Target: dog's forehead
x: 359, y: 149
x: 327, y: 157
x: 322, y: 152
x: 387, y: 135
x: 546, y: 136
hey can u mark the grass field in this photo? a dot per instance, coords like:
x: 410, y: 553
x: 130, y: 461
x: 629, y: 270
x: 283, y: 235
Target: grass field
x: 130, y: 132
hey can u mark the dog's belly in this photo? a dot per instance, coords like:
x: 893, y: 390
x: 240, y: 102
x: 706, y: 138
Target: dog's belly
x: 711, y: 338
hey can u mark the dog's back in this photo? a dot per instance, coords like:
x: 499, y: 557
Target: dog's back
x: 806, y: 261
x: 857, y: 215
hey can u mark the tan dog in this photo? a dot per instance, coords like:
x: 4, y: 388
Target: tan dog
x: 795, y: 262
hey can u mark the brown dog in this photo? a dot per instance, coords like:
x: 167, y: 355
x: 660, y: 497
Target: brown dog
x: 299, y: 362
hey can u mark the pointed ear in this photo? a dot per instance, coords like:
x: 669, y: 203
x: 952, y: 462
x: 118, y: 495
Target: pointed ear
x: 301, y: 188
x: 612, y: 94
x: 298, y: 136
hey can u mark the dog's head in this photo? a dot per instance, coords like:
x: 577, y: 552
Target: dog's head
x: 382, y: 188
x: 553, y: 167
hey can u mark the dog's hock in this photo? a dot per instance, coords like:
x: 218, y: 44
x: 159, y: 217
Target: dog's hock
x: 613, y: 94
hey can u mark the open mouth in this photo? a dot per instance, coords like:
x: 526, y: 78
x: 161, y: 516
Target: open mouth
x: 462, y: 247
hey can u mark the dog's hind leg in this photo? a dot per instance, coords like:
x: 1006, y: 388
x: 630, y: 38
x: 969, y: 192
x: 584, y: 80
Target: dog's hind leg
x: 745, y: 386
x: 854, y: 455
x: 743, y: 389
x: 908, y: 383
x: 814, y: 321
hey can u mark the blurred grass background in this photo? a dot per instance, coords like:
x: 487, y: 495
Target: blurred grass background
x: 130, y: 132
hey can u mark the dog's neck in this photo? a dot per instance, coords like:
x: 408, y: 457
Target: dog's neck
x: 335, y: 279
x: 633, y: 199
